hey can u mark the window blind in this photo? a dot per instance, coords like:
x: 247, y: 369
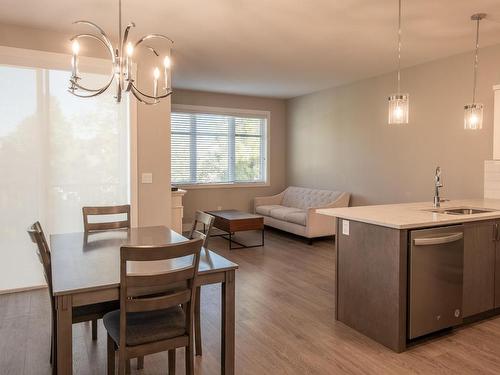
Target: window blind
x: 57, y: 154
x: 216, y: 149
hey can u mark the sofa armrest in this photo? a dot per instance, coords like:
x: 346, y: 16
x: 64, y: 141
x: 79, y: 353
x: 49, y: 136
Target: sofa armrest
x: 264, y: 201
x: 318, y: 225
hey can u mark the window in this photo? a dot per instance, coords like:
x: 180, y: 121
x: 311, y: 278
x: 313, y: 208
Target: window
x: 57, y: 154
x: 215, y: 146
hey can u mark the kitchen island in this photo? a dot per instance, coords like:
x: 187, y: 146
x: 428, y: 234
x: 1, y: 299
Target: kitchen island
x: 387, y: 291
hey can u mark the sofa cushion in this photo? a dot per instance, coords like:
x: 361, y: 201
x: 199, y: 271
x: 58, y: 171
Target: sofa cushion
x: 305, y: 198
x: 297, y: 217
x: 290, y: 214
x: 266, y: 209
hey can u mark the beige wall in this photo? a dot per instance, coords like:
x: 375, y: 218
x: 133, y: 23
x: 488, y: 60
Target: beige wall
x: 153, y: 127
x: 339, y: 138
x: 238, y: 198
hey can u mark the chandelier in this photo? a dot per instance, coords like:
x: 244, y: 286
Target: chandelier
x: 122, y: 62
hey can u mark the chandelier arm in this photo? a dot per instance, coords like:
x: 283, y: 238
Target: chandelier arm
x: 134, y: 88
x: 92, y: 36
x: 151, y: 36
x: 102, y: 89
x: 137, y: 94
x: 99, y: 92
x: 142, y: 100
x: 108, y: 43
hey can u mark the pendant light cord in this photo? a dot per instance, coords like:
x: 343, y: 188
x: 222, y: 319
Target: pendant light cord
x: 120, y: 24
x: 399, y: 49
x: 476, y: 62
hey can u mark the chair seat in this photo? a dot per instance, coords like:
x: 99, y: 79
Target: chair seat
x: 146, y: 327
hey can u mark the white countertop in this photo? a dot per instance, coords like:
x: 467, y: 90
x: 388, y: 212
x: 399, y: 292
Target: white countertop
x: 414, y: 215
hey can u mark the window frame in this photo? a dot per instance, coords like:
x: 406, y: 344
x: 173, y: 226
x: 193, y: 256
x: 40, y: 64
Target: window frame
x: 237, y: 112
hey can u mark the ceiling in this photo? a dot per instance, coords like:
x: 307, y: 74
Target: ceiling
x: 278, y: 48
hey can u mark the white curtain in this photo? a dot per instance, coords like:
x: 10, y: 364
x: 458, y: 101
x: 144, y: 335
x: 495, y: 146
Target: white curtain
x: 57, y: 154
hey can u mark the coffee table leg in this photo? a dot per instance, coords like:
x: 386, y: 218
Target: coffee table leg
x: 262, y: 236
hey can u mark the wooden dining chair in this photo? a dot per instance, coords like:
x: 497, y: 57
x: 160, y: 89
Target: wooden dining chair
x: 106, y: 210
x: 80, y: 314
x: 149, y: 323
x: 207, y: 220
x: 100, y: 226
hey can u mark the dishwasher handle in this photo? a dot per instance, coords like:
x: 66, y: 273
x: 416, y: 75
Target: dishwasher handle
x: 438, y: 240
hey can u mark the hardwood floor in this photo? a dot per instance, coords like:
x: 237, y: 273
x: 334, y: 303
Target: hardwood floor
x: 284, y: 325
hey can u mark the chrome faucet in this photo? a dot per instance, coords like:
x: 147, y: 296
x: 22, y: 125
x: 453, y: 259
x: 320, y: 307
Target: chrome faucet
x: 437, y: 185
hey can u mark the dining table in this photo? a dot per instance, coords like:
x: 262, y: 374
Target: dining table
x: 86, y: 271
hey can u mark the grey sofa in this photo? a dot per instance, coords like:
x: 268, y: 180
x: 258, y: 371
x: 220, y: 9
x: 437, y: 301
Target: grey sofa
x: 294, y: 210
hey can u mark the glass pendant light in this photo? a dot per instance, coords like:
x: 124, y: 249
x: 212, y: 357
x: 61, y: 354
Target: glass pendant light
x: 473, y: 113
x: 399, y: 104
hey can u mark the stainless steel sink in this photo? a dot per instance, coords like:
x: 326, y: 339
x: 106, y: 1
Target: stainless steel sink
x: 461, y: 211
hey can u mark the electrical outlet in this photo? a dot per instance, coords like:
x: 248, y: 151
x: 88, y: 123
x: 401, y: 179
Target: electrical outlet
x: 219, y: 208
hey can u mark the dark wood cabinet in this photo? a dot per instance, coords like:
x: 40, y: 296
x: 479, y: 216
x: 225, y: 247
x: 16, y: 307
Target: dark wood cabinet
x: 480, y: 257
x: 497, y: 266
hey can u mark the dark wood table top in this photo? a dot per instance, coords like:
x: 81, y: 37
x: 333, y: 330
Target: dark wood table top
x: 83, y: 262
x: 234, y: 215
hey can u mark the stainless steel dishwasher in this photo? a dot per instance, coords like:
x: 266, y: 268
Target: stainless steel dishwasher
x: 436, y: 277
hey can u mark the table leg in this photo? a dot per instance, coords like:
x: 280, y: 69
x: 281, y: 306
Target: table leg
x: 228, y: 324
x: 64, y: 335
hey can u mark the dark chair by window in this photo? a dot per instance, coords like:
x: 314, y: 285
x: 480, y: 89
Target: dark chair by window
x: 106, y: 210
x: 80, y: 314
x: 207, y: 221
x: 100, y: 226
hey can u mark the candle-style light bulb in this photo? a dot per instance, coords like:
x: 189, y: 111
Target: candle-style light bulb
x: 167, y: 63
x: 156, y: 75
x: 130, y: 49
x: 75, y: 47
x: 128, y: 61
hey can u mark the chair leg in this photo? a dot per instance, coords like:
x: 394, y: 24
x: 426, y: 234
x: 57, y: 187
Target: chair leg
x: 94, y: 329
x: 53, y: 352
x: 122, y: 365
x: 197, y: 321
x: 140, y: 363
x: 171, y: 362
x: 189, y: 357
x: 111, y: 356
x: 128, y: 370
x: 51, y: 347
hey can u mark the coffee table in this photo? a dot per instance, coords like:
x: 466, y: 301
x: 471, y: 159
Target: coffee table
x: 232, y: 221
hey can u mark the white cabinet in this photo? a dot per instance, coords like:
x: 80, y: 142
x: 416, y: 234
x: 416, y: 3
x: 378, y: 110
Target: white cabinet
x: 177, y: 210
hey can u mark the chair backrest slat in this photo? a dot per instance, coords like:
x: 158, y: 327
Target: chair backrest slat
x: 207, y: 220
x: 158, y: 303
x: 161, y: 279
x: 150, y: 253
x: 175, y: 286
x: 106, y: 210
